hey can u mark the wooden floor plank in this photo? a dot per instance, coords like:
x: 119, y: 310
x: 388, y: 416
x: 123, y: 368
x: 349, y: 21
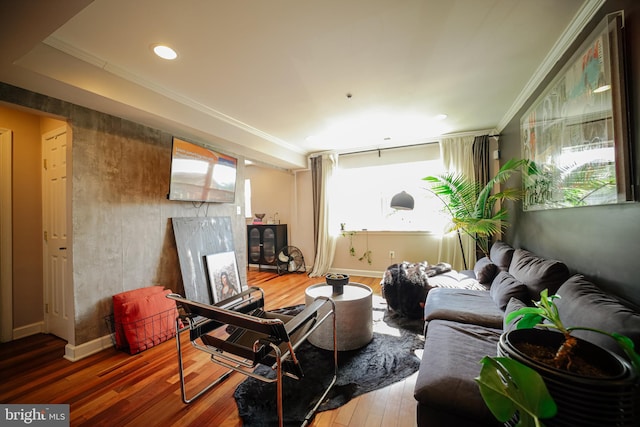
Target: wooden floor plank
x: 113, y: 388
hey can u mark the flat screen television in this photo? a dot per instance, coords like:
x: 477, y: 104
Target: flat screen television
x: 199, y: 174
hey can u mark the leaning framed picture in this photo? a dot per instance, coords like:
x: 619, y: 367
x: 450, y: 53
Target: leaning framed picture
x: 224, y: 279
x: 576, y: 132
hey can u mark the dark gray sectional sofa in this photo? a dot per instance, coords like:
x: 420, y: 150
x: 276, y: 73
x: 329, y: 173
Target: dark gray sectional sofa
x: 463, y: 325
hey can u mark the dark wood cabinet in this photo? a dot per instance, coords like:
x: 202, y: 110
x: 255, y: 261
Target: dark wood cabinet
x: 264, y: 241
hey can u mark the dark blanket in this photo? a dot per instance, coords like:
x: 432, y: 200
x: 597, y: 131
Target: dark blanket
x: 405, y: 286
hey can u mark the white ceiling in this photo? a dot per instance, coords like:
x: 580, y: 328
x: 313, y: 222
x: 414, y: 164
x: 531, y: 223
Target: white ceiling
x: 260, y: 77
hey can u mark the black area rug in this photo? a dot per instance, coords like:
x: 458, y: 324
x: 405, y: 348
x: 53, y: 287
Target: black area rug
x: 388, y: 358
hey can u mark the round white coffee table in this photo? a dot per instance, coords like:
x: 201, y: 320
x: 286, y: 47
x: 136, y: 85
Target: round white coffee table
x: 354, y: 316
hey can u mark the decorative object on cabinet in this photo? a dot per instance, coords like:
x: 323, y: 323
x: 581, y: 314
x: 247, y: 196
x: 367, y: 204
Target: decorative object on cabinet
x: 263, y: 243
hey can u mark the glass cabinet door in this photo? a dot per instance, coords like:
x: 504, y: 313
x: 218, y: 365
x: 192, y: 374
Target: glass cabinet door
x: 269, y: 245
x: 254, y: 245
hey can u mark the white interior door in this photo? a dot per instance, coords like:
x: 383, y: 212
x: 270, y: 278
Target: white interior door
x: 58, y: 297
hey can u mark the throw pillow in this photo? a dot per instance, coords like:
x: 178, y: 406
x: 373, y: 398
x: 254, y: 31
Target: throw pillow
x: 504, y: 287
x: 582, y: 303
x: 537, y: 273
x: 513, y: 305
x: 485, y: 270
x: 122, y: 298
x: 149, y: 321
x: 501, y: 254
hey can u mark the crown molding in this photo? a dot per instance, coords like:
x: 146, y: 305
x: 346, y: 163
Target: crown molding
x: 575, y: 27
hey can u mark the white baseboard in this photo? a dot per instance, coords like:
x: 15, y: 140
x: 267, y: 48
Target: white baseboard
x: 71, y: 352
x: 25, y: 331
x: 77, y: 352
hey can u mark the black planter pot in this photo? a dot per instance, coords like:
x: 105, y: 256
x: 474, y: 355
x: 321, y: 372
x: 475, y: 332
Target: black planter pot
x: 613, y: 400
x: 337, y: 281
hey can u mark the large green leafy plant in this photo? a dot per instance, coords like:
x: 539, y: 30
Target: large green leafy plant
x: 472, y: 206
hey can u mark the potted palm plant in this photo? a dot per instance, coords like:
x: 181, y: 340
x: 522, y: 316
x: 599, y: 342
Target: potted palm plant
x: 472, y: 206
x: 589, y: 385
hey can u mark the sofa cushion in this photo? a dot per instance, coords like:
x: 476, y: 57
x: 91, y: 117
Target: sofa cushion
x: 485, y: 270
x: 463, y: 305
x: 501, y: 254
x: 450, y: 362
x: 504, y: 287
x: 537, y: 273
x: 582, y: 303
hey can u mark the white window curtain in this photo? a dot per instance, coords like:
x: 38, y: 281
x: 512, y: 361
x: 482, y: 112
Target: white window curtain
x: 326, y: 240
x: 457, y: 157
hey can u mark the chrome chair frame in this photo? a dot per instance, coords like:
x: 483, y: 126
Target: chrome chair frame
x: 250, y: 337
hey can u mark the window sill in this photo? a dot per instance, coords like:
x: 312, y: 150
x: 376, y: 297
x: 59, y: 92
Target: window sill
x: 392, y: 232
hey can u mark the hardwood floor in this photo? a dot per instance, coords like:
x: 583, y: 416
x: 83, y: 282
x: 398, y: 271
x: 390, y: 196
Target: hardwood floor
x: 113, y: 388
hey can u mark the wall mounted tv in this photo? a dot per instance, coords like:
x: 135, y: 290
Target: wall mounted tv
x: 199, y: 174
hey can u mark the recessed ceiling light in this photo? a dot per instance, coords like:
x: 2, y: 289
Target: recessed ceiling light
x: 164, y: 52
x: 440, y: 116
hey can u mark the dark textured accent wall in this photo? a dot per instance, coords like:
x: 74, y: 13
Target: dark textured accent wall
x: 601, y: 242
x: 121, y: 219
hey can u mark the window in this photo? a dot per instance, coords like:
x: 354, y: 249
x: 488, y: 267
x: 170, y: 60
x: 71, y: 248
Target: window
x: 365, y: 183
x: 247, y: 199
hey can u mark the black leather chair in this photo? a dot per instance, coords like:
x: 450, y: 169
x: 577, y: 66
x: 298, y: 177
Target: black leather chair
x: 238, y: 334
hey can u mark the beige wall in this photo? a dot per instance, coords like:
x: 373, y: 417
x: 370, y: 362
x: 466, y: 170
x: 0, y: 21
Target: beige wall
x: 272, y: 191
x: 408, y: 246
x: 289, y: 194
x: 27, y: 216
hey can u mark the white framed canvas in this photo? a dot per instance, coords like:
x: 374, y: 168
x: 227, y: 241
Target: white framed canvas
x: 224, y: 278
x: 576, y: 133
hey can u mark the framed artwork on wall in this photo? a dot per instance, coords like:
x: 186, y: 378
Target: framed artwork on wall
x: 576, y: 132
x: 224, y: 279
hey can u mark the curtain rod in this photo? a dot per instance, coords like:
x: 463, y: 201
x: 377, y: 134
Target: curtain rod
x: 379, y: 150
